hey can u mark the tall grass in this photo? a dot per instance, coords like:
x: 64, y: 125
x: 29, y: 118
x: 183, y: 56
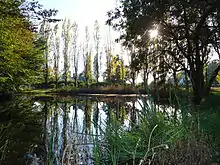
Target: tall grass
x: 156, y: 138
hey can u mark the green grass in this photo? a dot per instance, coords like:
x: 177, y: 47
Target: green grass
x: 158, y: 138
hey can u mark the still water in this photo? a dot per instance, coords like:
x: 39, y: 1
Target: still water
x: 37, y: 131
x: 70, y: 130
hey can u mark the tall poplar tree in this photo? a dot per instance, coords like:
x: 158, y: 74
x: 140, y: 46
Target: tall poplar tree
x: 97, y: 39
x: 45, y: 34
x: 87, y: 57
x: 66, y: 30
x: 56, y: 53
x: 75, y: 54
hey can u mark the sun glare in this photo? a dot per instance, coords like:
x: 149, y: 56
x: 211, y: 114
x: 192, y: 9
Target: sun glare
x: 153, y: 33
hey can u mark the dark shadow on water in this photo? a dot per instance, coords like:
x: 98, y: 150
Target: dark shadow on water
x: 21, y: 131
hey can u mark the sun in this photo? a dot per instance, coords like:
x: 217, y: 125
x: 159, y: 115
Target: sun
x: 153, y: 33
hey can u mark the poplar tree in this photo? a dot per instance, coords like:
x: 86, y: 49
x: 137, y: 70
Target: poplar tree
x: 87, y: 57
x: 75, y: 53
x: 66, y: 30
x: 97, y: 39
x: 56, y: 53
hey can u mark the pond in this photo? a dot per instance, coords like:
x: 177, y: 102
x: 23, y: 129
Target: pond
x: 50, y: 130
x: 38, y: 130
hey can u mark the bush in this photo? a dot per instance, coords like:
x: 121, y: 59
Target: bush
x: 81, y: 84
x: 53, y: 86
x: 61, y: 85
x: 71, y: 84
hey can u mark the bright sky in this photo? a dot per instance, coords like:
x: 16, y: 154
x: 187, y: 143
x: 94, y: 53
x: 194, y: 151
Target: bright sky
x: 84, y: 12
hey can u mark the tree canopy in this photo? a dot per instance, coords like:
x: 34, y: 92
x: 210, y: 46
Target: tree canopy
x: 188, y: 34
x: 21, y: 49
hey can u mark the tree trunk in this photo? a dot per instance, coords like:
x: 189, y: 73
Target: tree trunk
x: 65, y: 79
x: 197, y: 78
x: 87, y: 82
x: 198, y: 86
x: 133, y: 78
x: 213, y: 77
x: 76, y: 84
x: 186, y: 82
x: 145, y: 76
x: 46, y: 74
x: 56, y: 77
x: 175, y: 79
x: 76, y: 75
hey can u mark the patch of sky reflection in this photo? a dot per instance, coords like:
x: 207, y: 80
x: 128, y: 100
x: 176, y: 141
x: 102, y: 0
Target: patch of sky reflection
x: 78, y: 137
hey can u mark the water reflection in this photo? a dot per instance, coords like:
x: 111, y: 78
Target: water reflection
x: 59, y: 132
x: 20, y: 132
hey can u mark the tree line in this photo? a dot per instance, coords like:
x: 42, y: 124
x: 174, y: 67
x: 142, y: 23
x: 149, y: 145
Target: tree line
x: 66, y: 52
x: 188, y: 38
x: 31, y: 54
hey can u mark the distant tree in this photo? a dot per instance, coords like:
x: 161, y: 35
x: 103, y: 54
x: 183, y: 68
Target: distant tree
x: 66, y: 30
x: 133, y: 71
x: 108, y: 53
x: 87, y: 57
x: 45, y: 34
x: 89, y: 77
x: 56, y: 53
x: 118, y: 71
x: 97, y: 50
x: 75, y: 52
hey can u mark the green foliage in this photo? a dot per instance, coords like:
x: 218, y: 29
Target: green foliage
x: 116, y: 71
x: 20, y: 50
x: 81, y: 84
x: 88, y: 69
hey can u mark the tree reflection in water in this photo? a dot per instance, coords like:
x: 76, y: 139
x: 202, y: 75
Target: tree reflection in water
x: 21, y: 132
x: 56, y: 132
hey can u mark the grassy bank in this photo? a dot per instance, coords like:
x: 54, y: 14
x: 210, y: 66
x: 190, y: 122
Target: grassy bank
x: 120, y: 90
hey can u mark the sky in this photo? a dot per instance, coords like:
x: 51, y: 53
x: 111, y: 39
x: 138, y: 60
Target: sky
x: 84, y: 12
